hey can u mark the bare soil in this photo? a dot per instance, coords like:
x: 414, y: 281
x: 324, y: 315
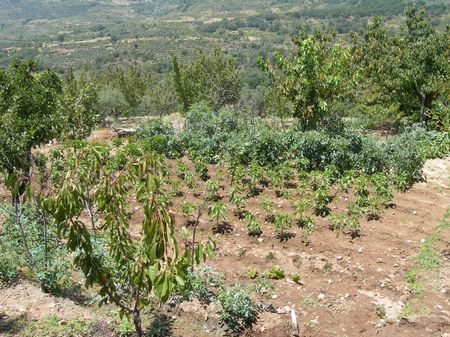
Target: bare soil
x: 349, y: 287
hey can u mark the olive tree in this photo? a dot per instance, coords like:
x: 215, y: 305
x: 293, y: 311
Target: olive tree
x: 210, y: 76
x: 112, y: 102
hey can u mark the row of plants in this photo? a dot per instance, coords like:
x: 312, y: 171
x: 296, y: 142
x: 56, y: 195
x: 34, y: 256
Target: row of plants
x: 209, y: 137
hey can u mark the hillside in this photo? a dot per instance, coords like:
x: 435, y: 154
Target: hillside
x: 65, y: 33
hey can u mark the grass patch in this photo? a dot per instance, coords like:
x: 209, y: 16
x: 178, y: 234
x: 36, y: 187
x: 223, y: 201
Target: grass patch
x: 427, y: 259
x: 55, y: 326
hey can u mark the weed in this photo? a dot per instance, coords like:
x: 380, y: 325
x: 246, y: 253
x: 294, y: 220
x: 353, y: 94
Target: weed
x: 252, y: 273
x: 274, y: 273
x: 126, y: 328
x: 295, y: 278
x: 270, y: 256
x: 380, y: 311
x: 311, y: 302
x: 413, y: 283
x: 327, y: 267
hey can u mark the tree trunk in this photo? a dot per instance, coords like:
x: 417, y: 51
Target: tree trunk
x: 426, y: 101
x: 138, y: 323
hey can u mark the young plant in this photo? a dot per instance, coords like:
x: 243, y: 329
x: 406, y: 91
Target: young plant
x: 253, y: 226
x: 282, y: 224
x: 187, y: 209
x: 268, y: 206
x: 252, y: 274
x: 182, y: 170
x: 382, y: 189
x: 212, y: 187
x: 362, y: 191
x: 322, y: 199
x: 190, y: 181
x: 253, y: 179
x: 176, y: 188
x: 238, y: 201
x: 342, y: 222
x: 303, y: 219
x: 346, y: 181
x: 133, y: 271
x: 295, y: 278
x: 218, y: 212
x: 201, y: 169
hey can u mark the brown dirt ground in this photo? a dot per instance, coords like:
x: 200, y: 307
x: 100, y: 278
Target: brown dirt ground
x: 366, y: 272
x: 343, y: 279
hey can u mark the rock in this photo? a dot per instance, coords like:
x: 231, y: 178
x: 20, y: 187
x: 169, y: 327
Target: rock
x: 339, y: 257
x: 260, y: 240
x: 274, y: 297
x: 284, y: 310
x: 360, y: 250
x: 123, y: 132
x: 321, y: 297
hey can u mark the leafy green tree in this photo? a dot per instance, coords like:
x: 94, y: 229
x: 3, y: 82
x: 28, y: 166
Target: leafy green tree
x: 410, y: 67
x: 112, y: 102
x: 131, y: 271
x: 210, y: 76
x: 133, y: 83
x: 317, y: 74
x: 30, y: 115
x: 80, y: 101
x: 160, y: 100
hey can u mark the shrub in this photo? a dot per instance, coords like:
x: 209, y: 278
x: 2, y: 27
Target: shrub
x: 158, y: 136
x: 199, y: 284
x: 45, y: 256
x: 238, y: 309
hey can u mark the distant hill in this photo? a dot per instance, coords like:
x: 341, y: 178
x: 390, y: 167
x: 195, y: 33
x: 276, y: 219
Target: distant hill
x: 76, y: 32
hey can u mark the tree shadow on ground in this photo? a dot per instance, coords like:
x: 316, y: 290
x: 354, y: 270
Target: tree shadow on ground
x: 222, y: 228
x: 284, y: 237
x: 161, y: 326
x: 11, y: 325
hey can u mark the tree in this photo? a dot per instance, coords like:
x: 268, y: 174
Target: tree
x: 132, y: 271
x: 30, y: 115
x: 317, y: 74
x: 160, y: 100
x: 210, y: 76
x: 112, y: 102
x: 80, y: 102
x: 132, y: 82
x: 410, y: 67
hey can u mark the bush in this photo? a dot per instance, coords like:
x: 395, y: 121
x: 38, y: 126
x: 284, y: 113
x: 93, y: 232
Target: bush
x: 198, y: 284
x: 48, y: 257
x: 158, y: 136
x: 238, y: 309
